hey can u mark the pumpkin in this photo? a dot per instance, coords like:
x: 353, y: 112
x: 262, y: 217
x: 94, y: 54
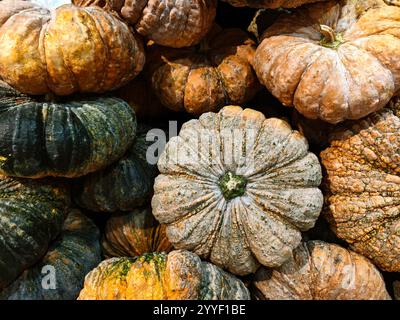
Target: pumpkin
x: 270, y: 4
x: 321, y: 271
x: 72, y: 256
x: 31, y: 216
x: 171, y: 23
x: 134, y: 233
x: 237, y: 189
x: 123, y: 186
x: 65, y: 50
x: 68, y: 138
x: 363, y: 185
x: 205, y: 77
x: 179, y: 275
x: 333, y: 60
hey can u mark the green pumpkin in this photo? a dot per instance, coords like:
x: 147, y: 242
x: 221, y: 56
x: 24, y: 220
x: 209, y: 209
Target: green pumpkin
x: 72, y: 256
x: 31, y: 216
x: 68, y: 138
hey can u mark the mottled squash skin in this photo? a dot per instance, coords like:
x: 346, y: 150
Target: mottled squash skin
x: 321, y: 271
x: 123, y: 186
x: 73, y: 255
x: 61, y: 139
x: 180, y: 275
x: 271, y: 4
x: 31, y: 216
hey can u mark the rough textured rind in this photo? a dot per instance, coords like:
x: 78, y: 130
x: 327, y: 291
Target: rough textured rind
x: 66, y: 50
x: 349, y: 78
x: 321, y: 271
x: 123, y: 186
x: 180, y: 275
x: 270, y: 4
x: 66, y: 138
x: 207, y: 77
x: 72, y: 256
x: 363, y: 186
x: 31, y: 215
x: 281, y: 197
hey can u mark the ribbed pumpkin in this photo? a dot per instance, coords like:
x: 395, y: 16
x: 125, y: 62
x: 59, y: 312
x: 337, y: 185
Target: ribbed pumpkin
x: 171, y: 23
x: 72, y: 256
x: 180, y: 275
x: 333, y: 60
x: 69, y: 138
x: 206, y: 77
x: 123, y: 186
x: 133, y: 234
x: 272, y: 4
x: 31, y: 216
x: 363, y: 185
x: 237, y: 189
x: 321, y: 271
x: 65, y: 50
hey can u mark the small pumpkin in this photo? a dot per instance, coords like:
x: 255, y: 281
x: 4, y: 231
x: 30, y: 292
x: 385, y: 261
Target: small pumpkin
x: 270, y: 4
x: 321, y: 271
x: 71, y: 257
x: 68, y: 138
x: 237, y: 189
x: 31, y: 216
x: 171, y: 23
x: 205, y: 78
x: 134, y: 233
x: 333, y: 60
x: 180, y: 275
x: 65, y: 50
x: 123, y: 186
x: 363, y: 185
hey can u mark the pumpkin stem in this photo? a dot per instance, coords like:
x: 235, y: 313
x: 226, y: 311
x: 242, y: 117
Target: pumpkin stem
x: 232, y: 185
x: 330, y: 39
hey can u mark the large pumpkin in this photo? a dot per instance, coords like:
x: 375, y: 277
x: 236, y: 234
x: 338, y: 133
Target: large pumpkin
x: 171, y: 23
x: 125, y: 185
x: 71, y: 257
x: 321, y: 271
x: 67, y: 138
x: 132, y: 234
x: 180, y: 275
x: 333, y: 60
x: 65, y: 50
x: 31, y: 215
x: 204, y: 78
x: 363, y: 185
x: 237, y: 189
x: 271, y: 4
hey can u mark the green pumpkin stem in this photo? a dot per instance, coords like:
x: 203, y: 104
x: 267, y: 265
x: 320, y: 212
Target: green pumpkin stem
x: 232, y: 185
x: 330, y: 39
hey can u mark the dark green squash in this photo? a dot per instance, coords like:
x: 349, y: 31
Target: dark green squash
x: 72, y: 256
x: 41, y: 138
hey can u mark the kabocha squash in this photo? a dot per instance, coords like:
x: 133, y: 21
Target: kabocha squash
x: 271, y: 4
x: 333, y: 60
x: 31, y: 215
x: 123, y: 186
x: 133, y: 234
x: 363, y: 185
x: 71, y: 257
x: 65, y: 50
x: 171, y: 23
x: 321, y: 271
x: 237, y: 189
x: 206, y: 77
x: 180, y: 275
x: 41, y: 138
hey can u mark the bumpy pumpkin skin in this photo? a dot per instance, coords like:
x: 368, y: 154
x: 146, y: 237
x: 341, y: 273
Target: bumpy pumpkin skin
x: 123, y: 186
x: 133, y: 234
x: 61, y: 139
x: 348, y: 78
x: 31, y: 215
x: 321, y: 271
x: 180, y: 275
x: 363, y: 186
x: 237, y: 189
x: 74, y: 255
x: 270, y: 4
x: 66, y: 50
x: 207, y: 77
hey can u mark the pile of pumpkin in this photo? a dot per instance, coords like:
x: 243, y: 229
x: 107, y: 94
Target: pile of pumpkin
x: 251, y: 199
